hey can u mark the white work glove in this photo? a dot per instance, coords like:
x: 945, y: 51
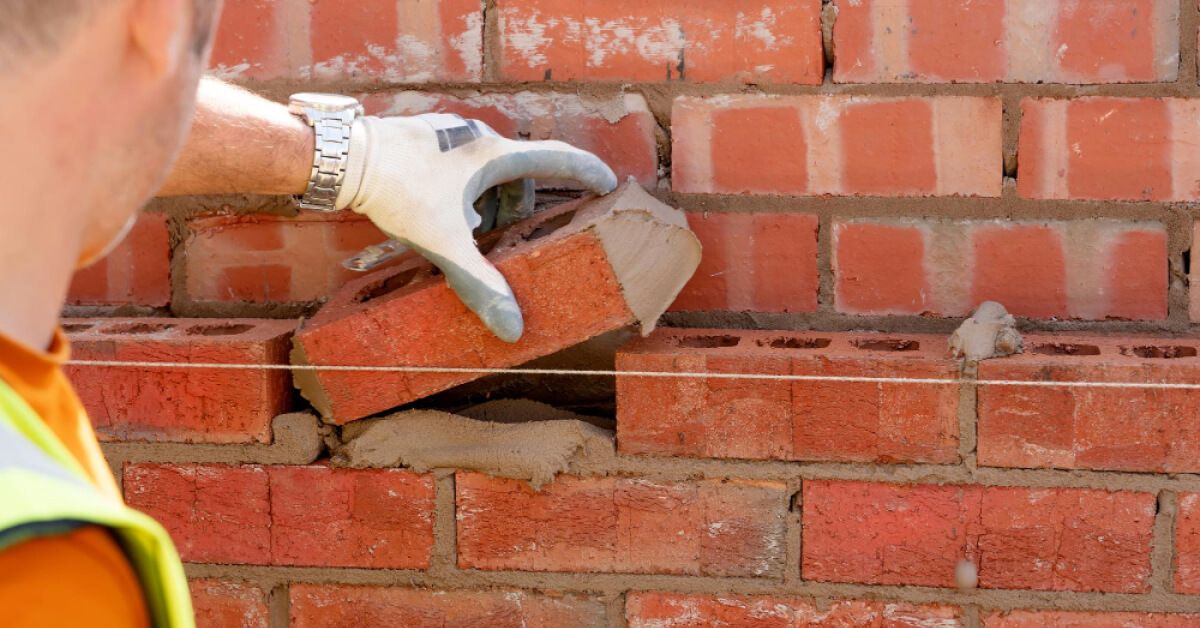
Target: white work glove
x: 417, y: 178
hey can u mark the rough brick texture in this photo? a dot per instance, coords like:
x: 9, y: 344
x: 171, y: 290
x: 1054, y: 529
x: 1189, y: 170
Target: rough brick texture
x: 261, y: 258
x: 166, y: 404
x: 1135, y: 149
x: 1187, y: 544
x: 1067, y: 619
x: 1120, y: 429
x: 619, y: 129
x: 625, y: 525
x: 1086, y: 269
x: 319, y: 606
x: 228, y: 604
x: 575, y: 271
x: 136, y: 272
x: 759, y: 41
x: 1027, y: 41
x: 652, y: 610
x: 760, y: 262
x: 302, y: 516
x: 788, y: 420
x: 373, y: 40
x: 1054, y: 539
x: 837, y: 145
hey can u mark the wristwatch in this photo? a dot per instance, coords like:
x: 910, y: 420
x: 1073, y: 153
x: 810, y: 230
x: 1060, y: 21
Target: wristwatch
x: 330, y: 116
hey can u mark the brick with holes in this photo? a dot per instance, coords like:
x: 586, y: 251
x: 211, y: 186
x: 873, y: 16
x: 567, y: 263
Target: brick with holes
x: 179, y: 404
x: 582, y: 269
x: 1023, y: 41
x: 1116, y: 429
x: 837, y: 145
x: 1052, y: 539
x: 788, y: 420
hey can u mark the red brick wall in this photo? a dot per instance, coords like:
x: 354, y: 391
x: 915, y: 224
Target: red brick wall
x: 871, y: 165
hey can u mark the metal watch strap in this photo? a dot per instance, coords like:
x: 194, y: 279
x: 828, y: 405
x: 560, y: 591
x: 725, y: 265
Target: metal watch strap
x: 331, y: 144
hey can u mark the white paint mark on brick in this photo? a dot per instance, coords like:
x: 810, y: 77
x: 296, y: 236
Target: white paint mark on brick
x: 691, y: 124
x: 527, y: 37
x: 469, y: 44
x: 761, y: 28
x: 890, y: 36
x: 1055, y: 152
x: 1166, y: 40
x: 1029, y: 26
x: 966, y: 151
x: 1185, y: 148
x: 823, y: 139
x: 1088, y: 258
x: 949, y: 267
x: 739, y: 258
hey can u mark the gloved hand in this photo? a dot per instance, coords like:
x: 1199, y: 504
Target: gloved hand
x: 417, y: 179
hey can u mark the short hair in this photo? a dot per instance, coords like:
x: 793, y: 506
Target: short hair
x: 33, y: 27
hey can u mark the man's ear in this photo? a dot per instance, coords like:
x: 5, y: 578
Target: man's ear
x: 159, y: 30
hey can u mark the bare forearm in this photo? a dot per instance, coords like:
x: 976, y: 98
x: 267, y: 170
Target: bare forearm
x: 241, y: 143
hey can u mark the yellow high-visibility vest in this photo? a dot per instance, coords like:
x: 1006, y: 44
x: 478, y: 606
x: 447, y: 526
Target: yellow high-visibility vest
x: 45, y: 491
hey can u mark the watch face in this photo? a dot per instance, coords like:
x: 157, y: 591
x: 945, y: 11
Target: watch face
x: 322, y: 102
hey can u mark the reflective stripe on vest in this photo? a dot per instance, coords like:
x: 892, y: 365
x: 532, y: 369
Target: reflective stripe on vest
x: 43, y: 490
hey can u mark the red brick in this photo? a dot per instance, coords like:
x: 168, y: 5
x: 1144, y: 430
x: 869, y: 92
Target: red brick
x: 759, y: 41
x: 564, y: 281
x: 136, y: 272
x: 304, y: 516
x: 621, y: 130
x: 376, y: 40
x: 272, y: 259
x: 229, y: 604
x: 319, y: 606
x: 837, y: 145
x: 165, y: 404
x: 623, y: 525
x: 1084, y: 269
x: 983, y: 41
x: 1187, y: 543
x: 788, y: 420
x: 1054, y: 539
x: 1137, y: 149
x: 1086, y: 619
x: 1120, y: 429
x: 654, y: 609
x: 756, y: 262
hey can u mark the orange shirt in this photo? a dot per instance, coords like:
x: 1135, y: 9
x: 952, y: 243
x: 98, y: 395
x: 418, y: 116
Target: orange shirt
x: 80, y: 578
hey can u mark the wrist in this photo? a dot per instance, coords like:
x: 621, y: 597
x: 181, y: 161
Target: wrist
x: 299, y: 152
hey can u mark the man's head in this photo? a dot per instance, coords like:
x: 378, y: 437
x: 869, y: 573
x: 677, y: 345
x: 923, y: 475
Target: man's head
x: 107, y: 89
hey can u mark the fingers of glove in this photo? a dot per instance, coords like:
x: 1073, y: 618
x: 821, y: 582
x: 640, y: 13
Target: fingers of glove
x: 547, y: 160
x: 477, y: 283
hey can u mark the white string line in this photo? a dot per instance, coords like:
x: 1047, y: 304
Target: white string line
x: 647, y: 374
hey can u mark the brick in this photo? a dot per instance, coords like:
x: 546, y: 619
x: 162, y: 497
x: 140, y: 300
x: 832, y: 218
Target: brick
x: 757, y: 41
x: 654, y: 609
x: 622, y: 525
x: 1086, y: 619
x: 318, y: 606
x: 759, y: 262
x: 136, y: 272
x: 373, y: 40
x: 1132, y: 149
x: 621, y: 259
x: 621, y: 129
x: 1083, y: 269
x: 1194, y: 277
x: 1118, y: 429
x: 272, y: 259
x: 229, y: 604
x: 1187, y: 544
x: 164, y: 404
x: 1018, y: 41
x: 788, y: 420
x: 1053, y: 539
x: 837, y: 145
x: 310, y: 516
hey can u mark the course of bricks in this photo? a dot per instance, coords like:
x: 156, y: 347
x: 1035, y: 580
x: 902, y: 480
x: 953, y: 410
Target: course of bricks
x: 860, y: 172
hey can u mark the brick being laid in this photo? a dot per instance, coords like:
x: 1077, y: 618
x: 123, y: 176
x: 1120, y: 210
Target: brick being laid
x: 837, y: 145
x: 782, y: 419
x: 180, y: 404
x: 579, y: 270
x: 1112, y: 429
